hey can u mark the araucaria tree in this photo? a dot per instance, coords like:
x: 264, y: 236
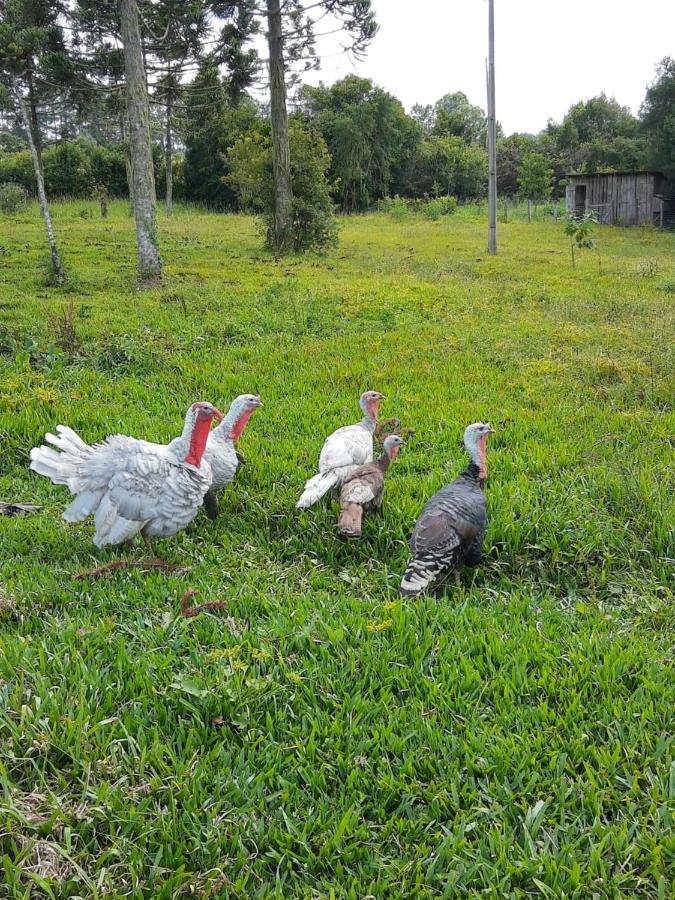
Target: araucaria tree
x: 139, y: 141
x: 291, y: 38
x: 31, y: 50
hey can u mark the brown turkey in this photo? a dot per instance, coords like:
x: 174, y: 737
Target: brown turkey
x: 450, y: 529
x: 362, y: 490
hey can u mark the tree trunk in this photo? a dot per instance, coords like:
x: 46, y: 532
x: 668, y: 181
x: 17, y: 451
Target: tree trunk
x: 282, y: 239
x: 139, y: 142
x: 34, y: 124
x: 25, y: 116
x: 127, y: 160
x: 169, y: 156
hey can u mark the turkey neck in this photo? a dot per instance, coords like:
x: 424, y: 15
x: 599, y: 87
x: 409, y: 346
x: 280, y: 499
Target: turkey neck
x: 383, y: 463
x: 477, y: 468
x: 233, y: 424
x: 369, y: 423
x: 198, y: 439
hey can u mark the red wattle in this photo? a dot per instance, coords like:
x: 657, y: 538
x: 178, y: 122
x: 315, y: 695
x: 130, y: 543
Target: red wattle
x: 240, y: 424
x: 200, y: 435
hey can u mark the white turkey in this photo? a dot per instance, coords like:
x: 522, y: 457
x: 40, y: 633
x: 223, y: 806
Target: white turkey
x: 450, y: 530
x: 131, y: 486
x: 221, y: 453
x: 362, y: 490
x: 344, y: 450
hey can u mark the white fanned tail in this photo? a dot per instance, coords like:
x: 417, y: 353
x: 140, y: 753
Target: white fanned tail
x: 316, y: 487
x: 64, y: 467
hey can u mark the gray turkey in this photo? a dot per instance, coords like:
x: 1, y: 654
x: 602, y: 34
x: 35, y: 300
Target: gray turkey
x: 131, y: 486
x: 450, y: 529
x: 344, y: 450
x: 362, y: 490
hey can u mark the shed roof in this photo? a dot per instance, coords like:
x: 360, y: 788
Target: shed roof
x: 607, y: 174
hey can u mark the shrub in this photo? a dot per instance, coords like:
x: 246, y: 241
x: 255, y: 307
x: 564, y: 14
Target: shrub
x: 441, y: 206
x: 249, y: 163
x: 395, y: 207
x: 13, y: 197
x: 398, y: 208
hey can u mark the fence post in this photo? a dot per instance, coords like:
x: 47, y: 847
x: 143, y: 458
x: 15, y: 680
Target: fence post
x: 555, y: 208
x: 529, y: 210
x: 661, y: 214
x: 506, y: 210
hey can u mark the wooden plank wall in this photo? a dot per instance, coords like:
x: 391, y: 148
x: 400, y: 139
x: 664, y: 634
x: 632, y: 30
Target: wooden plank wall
x: 622, y: 199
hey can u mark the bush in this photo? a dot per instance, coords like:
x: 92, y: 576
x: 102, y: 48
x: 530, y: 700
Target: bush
x: 398, y: 208
x: 72, y: 169
x: 395, y: 207
x: 13, y: 197
x: 249, y: 163
x: 441, y: 206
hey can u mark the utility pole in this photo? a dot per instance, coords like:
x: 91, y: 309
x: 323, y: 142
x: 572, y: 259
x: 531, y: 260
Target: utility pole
x: 492, y: 134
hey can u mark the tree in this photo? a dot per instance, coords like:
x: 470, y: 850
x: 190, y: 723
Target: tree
x: 250, y: 162
x: 455, y: 116
x: 31, y: 48
x: 444, y: 166
x: 177, y: 29
x: 535, y: 177
x: 291, y: 39
x: 211, y: 125
x: 423, y: 115
x: 365, y: 129
x: 598, y: 135
x: 657, y: 121
x: 139, y: 142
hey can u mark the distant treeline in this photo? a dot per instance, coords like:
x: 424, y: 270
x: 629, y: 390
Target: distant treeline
x: 375, y: 149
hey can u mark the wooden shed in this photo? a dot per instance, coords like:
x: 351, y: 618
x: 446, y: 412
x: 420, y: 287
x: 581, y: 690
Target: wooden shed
x: 617, y: 198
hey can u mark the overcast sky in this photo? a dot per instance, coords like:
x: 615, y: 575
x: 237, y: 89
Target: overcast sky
x: 549, y: 53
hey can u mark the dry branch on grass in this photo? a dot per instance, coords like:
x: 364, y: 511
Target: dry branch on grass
x: 147, y: 565
x: 188, y: 611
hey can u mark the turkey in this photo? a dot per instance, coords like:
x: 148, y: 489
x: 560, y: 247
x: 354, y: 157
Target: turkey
x: 131, y: 486
x: 362, y: 490
x: 343, y: 451
x: 220, y: 453
x: 450, y: 529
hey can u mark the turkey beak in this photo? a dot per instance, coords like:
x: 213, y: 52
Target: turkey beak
x: 258, y: 403
x: 490, y: 429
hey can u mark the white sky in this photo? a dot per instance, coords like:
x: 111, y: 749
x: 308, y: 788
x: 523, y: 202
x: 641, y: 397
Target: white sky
x: 548, y: 53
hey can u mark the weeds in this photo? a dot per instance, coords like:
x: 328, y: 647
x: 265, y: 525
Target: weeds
x: 63, y: 330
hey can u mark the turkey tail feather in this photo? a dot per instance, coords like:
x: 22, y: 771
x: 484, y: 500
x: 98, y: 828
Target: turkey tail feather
x: 315, y: 488
x: 64, y: 467
x: 419, y: 574
x: 59, y: 467
x: 350, y: 520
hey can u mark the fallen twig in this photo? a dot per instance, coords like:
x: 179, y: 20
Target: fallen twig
x: 147, y: 565
x: 14, y: 509
x: 188, y: 611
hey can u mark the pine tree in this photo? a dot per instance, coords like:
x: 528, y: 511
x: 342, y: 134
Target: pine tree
x: 31, y: 53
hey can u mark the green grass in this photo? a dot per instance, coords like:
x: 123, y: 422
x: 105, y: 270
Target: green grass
x: 511, y: 737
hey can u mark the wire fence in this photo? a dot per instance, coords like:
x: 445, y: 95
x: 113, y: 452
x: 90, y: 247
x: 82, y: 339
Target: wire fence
x: 661, y: 213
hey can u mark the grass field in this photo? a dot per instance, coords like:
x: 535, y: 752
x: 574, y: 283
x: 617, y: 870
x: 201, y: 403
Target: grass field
x: 510, y: 737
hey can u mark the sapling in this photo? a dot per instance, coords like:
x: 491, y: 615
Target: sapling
x: 579, y: 229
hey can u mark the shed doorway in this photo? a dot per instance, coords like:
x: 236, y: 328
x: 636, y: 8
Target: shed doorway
x: 580, y: 199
